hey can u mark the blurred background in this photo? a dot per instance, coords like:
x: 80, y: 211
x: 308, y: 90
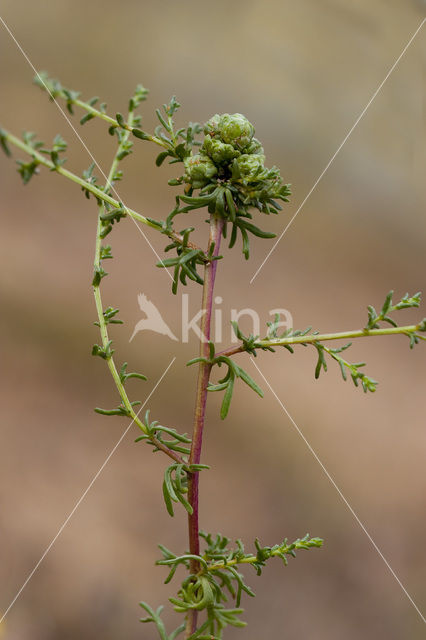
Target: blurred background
x: 302, y: 72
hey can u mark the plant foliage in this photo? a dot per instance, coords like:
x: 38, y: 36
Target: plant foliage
x: 223, y: 172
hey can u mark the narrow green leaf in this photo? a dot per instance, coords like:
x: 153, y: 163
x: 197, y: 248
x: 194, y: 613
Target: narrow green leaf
x: 108, y: 412
x: 258, y: 232
x: 161, y: 157
x: 250, y: 382
x: 387, y: 304
x: 86, y: 118
x: 227, y: 398
x: 138, y: 133
x: 3, y: 143
x: 167, y: 500
x: 185, y: 503
x: 163, y: 122
x: 120, y: 119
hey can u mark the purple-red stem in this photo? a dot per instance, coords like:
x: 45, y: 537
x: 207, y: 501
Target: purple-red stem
x: 216, y: 227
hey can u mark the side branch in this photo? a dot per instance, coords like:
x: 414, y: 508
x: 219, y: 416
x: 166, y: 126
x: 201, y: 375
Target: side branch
x: 268, y: 343
x: 290, y: 338
x: 344, y: 335
x: 7, y: 137
x: 103, y: 317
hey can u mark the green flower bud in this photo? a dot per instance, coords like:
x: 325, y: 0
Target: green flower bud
x: 254, y: 147
x: 249, y: 167
x: 199, y: 170
x: 218, y: 151
x: 270, y: 184
x: 236, y: 130
x: 212, y: 126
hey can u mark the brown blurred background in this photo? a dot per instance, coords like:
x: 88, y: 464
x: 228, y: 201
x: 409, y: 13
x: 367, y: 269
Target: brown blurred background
x: 302, y: 72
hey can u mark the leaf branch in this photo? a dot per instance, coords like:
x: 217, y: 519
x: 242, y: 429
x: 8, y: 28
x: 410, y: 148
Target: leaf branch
x: 104, y: 318
x: 7, y: 138
x: 217, y: 578
x: 292, y: 337
x: 72, y: 98
x: 343, y: 335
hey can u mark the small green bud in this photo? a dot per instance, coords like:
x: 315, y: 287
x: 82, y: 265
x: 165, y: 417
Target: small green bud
x: 218, y: 151
x: 422, y: 325
x: 236, y: 130
x: 254, y: 147
x: 212, y: 126
x: 250, y: 166
x: 199, y: 170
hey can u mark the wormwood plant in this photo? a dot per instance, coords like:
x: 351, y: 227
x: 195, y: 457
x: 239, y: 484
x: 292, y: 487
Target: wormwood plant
x: 220, y: 170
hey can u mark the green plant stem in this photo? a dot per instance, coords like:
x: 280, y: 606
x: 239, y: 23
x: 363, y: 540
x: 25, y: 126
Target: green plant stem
x: 98, y: 193
x: 204, y: 368
x: 323, y: 337
x: 344, y: 335
x: 111, y: 121
x: 103, y: 325
x: 253, y: 559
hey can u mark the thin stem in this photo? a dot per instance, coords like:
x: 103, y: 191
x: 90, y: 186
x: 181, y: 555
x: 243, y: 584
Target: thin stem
x: 230, y: 351
x: 87, y: 186
x: 111, y: 121
x: 216, y: 227
x: 252, y: 559
x: 322, y: 337
x: 101, y: 318
x: 344, y: 335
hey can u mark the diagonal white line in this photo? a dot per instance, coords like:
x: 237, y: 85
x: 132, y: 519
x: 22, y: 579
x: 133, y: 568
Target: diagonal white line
x: 340, y: 493
x: 113, y: 189
x: 84, y: 494
x: 329, y: 163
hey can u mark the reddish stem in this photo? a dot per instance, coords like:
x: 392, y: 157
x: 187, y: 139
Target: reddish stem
x: 230, y: 351
x: 216, y: 227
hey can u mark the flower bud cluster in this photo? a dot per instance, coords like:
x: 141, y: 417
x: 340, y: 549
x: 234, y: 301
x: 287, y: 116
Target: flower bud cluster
x: 227, y: 137
x: 231, y: 154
